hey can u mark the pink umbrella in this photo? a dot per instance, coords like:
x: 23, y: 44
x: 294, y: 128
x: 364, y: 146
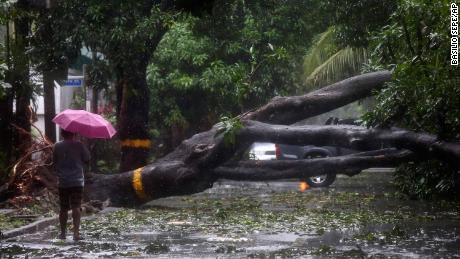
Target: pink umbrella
x: 85, y: 123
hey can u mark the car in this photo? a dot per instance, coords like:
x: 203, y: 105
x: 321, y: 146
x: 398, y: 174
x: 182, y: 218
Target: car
x: 272, y: 151
x: 262, y: 151
x: 289, y: 152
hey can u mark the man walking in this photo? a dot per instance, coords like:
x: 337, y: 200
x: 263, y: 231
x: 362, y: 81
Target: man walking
x: 70, y: 157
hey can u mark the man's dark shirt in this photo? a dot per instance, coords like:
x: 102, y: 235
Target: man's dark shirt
x: 69, y: 157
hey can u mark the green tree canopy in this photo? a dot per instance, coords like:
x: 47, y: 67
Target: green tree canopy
x: 424, y: 94
x: 231, y: 61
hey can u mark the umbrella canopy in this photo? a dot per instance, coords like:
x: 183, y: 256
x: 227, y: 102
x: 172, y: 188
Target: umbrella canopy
x: 85, y: 123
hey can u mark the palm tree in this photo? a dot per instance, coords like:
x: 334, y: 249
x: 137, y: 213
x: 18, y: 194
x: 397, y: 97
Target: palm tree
x: 326, y: 62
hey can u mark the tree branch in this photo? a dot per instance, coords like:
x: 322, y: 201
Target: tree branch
x: 286, y: 169
x: 288, y: 110
x: 355, y: 137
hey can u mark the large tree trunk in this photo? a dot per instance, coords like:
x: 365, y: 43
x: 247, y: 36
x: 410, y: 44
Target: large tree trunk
x: 133, y: 103
x: 6, y: 116
x: 50, y: 105
x: 20, y: 82
x: 133, y: 118
x: 199, y: 161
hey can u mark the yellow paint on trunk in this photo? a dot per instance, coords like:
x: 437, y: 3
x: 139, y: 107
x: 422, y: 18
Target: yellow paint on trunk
x: 136, y: 143
x: 137, y: 184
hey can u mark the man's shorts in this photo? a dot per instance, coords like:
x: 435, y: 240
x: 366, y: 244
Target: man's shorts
x: 70, y: 197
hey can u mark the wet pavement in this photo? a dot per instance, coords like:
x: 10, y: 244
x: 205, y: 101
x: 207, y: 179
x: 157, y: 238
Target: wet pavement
x: 358, y: 217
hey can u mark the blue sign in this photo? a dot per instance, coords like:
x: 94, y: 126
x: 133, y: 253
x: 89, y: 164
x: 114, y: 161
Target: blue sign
x: 73, y: 83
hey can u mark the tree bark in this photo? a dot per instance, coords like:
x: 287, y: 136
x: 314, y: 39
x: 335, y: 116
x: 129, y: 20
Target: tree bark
x: 133, y: 99
x: 6, y: 116
x: 50, y: 105
x: 354, y: 137
x: 303, y: 168
x: 20, y: 81
x: 133, y: 118
x: 288, y: 110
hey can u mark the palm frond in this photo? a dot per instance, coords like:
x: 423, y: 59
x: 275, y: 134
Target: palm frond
x: 322, y: 48
x: 344, y: 63
x: 326, y: 63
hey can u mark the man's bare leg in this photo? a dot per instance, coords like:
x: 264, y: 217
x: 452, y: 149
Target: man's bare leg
x: 63, y: 222
x: 76, y: 215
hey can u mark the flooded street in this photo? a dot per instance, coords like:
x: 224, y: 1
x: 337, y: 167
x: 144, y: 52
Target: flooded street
x: 358, y: 217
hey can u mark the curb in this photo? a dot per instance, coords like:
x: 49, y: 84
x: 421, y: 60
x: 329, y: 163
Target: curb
x: 46, y: 222
x: 30, y: 228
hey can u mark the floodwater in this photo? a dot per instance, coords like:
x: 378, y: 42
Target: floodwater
x: 358, y: 217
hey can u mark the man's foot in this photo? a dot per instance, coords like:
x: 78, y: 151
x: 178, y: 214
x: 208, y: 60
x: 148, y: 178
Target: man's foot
x: 78, y: 238
x: 62, y: 236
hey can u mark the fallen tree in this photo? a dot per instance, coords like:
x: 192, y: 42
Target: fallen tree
x: 206, y: 157
x: 303, y: 168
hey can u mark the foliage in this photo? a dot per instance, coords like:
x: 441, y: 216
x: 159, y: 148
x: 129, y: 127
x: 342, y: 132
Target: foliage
x: 99, y: 74
x: 7, y: 223
x: 52, y: 45
x: 342, y: 50
x: 322, y: 48
x: 428, y: 179
x: 355, y: 19
x: 124, y: 34
x: 15, y: 85
x: 106, y: 152
x: 230, y: 128
x: 112, y: 28
x: 78, y: 101
x: 424, y: 93
x: 3, y: 85
x: 327, y: 62
x: 208, y: 66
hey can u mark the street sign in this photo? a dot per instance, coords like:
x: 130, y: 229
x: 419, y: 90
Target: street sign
x: 73, y: 83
